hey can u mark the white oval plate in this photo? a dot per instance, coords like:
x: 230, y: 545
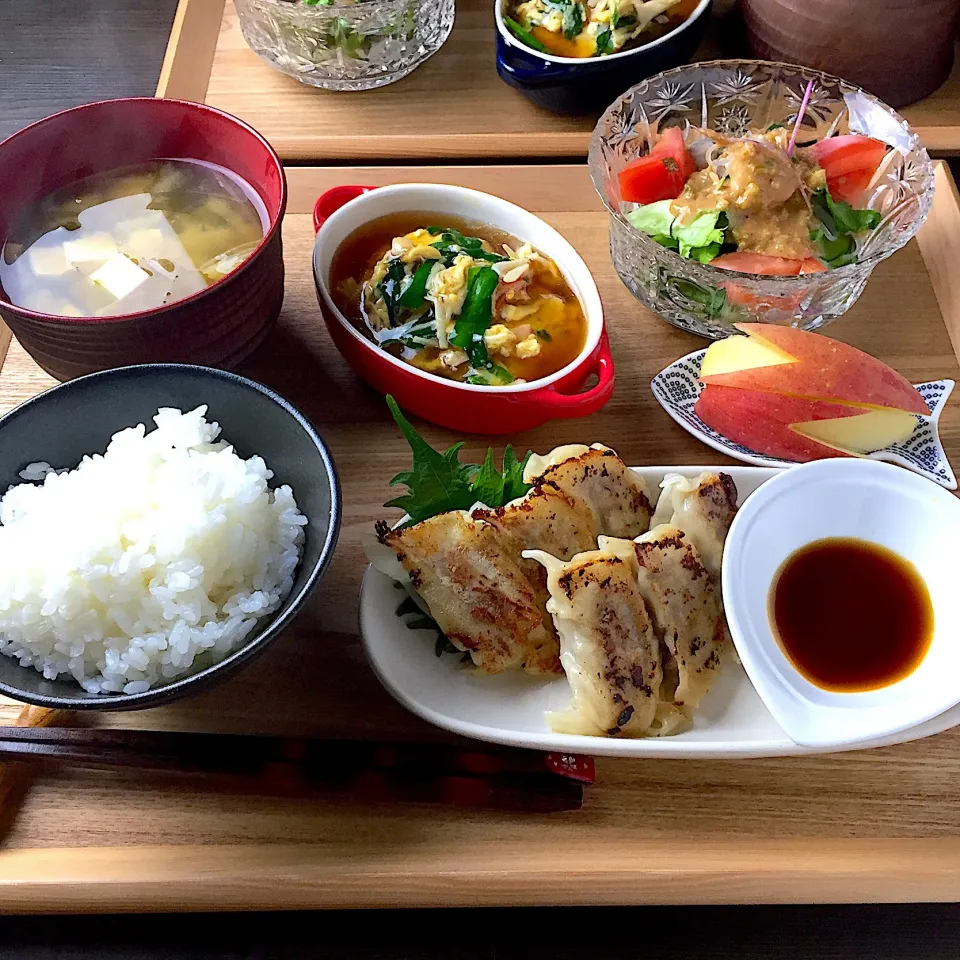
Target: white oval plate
x: 677, y: 387
x: 732, y: 720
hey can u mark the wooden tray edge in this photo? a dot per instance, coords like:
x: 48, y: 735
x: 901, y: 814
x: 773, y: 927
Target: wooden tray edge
x: 188, y: 59
x: 337, y: 874
x: 5, y: 337
x: 939, y: 242
x: 312, y: 876
x: 519, y: 183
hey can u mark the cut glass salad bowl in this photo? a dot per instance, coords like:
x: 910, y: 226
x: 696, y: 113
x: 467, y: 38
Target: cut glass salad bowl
x: 346, y: 44
x: 732, y: 97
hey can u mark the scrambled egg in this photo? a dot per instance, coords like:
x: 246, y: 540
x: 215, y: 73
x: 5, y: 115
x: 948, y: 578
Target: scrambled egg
x: 519, y: 342
x: 588, y: 28
x: 500, y: 339
x: 415, y: 246
x: 446, y: 290
x: 528, y: 347
x: 417, y: 291
x: 512, y: 313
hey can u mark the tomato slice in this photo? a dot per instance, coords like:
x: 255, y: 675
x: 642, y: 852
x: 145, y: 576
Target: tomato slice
x: 850, y: 186
x: 671, y: 144
x: 662, y: 174
x: 762, y: 264
x: 741, y: 297
x: 849, y: 153
x: 849, y: 161
x: 649, y: 179
x: 758, y: 263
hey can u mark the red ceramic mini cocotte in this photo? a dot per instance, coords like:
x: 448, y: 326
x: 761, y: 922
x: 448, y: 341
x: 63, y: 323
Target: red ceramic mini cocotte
x: 218, y: 326
x: 461, y: 406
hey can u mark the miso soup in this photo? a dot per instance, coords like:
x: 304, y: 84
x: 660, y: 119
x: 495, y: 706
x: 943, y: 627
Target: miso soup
x: 131, y: 239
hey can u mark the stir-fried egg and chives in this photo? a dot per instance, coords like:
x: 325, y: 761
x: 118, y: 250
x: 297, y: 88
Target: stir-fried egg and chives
x: 586, y: 28
x: 455, y: 306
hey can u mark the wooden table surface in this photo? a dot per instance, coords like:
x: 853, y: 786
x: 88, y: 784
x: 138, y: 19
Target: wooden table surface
x: 54, y: 55
x: 471, y: 112
x: 868, y: 825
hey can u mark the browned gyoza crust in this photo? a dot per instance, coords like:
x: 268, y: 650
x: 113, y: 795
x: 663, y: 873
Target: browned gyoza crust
x: 718, y: 501
x: 477, y: 594
x: 457, y: 561
x: 571, y: 504
x: 685, y: 608
x: 703, y: 508
x: 619, y: 654
x: 640, y: 632
x: 545, y: 519
x: 614, y: 493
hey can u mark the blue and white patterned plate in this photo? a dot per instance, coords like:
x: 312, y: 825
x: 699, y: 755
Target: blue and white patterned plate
x: 677, y: 388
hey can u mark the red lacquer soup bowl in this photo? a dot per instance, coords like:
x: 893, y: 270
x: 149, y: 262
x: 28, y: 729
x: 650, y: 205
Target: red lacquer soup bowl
x: 220, y: 325
x: 461, y: 406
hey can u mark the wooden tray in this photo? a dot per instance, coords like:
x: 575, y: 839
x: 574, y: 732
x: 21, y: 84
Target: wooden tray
x: 869, y: 826
x: 471, y: 113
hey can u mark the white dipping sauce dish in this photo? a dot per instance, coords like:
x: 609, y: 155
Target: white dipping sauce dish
x: 871, y: 501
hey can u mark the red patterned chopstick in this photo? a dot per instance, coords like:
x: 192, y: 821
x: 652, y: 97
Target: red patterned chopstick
x: 501, y: 778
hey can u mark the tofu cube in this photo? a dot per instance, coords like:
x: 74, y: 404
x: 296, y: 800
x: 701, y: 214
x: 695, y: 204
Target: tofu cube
x: 47, y: 261
x: 120, y: 276
x: 97, y: 246
x: 148, y: 244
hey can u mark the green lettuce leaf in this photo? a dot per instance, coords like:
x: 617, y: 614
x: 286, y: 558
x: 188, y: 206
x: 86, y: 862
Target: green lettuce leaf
x: 700, y: 239
x: 707, y: 252
x: 653, y: 219
x: 700, y: 235
x: 837, y: 226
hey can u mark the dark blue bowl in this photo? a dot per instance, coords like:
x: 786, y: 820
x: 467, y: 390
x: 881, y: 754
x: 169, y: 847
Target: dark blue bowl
x: 575, y: 87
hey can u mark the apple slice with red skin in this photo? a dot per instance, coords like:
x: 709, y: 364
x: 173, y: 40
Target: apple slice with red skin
x: 762, y: 421
x: 824, y: 369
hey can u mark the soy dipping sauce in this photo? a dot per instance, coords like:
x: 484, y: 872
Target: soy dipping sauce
x: 851, y: 615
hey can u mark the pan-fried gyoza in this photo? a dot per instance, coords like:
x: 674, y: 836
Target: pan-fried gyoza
x: 617, y: 496
x: 553, y: 516
x: 477, y: 594
x: 641, y: 634
x: 551, y: 565
x: 578, y: 494
x: 608, y: 647
x: 703, y: 507
x: 685, y: 608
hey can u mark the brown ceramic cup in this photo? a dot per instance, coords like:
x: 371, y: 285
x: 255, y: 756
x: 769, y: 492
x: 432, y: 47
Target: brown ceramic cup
x: 898, y: 50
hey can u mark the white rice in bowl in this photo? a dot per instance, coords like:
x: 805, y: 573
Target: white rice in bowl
x: 145, y: 563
